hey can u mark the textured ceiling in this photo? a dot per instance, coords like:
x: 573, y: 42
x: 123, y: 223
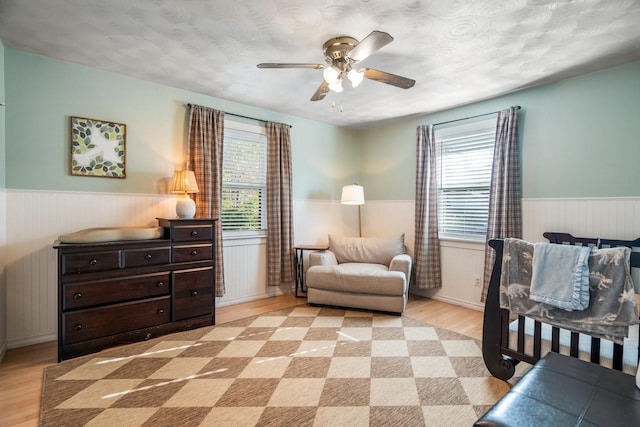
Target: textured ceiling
x: 458, y: 51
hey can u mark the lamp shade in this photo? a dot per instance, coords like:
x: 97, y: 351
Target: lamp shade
x: 184, y: 182
x: 352, y: 195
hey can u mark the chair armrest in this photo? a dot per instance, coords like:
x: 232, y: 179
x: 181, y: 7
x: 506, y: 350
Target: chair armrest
x: 322, y: 258
x: 401, y: 263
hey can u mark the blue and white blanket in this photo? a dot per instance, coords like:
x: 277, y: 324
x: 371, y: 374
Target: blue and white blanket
x: 612, y: 306
x: 560, y: 275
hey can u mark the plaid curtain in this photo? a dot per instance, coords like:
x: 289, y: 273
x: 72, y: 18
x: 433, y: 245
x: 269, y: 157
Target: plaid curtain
x: 204, y: 157
x: 427, y: 245
x: 505, y: 213
x: 279, y: 205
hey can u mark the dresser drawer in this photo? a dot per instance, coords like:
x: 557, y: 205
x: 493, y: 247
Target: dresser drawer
x: 100, y: 322
x: 119, y: 290
x: 192, y: 293
x: 188, y: 233
x: 88, y: 262
x: 192, y: 253
x: 148, y: 256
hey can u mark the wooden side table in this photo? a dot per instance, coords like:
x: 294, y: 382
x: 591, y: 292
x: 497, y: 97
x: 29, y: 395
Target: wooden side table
x: 298, y: 261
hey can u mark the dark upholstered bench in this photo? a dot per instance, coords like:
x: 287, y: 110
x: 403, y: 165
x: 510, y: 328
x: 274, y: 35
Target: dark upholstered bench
x: 564, y: 391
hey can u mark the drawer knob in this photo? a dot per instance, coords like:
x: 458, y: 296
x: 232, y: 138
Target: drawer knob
x: 194, y: 293
x: 160, y: 311
x: 148, y: 257
x: 194, y: 233
x: 77, y: 327
x: 77, y: 295
x: 194, y: 252
x: 160, y: 284
x: 93, y: 261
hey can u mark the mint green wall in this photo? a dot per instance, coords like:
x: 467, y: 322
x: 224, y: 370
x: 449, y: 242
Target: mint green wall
x: 580, y: 137
x: 2, y: 119
x: 43, y: 93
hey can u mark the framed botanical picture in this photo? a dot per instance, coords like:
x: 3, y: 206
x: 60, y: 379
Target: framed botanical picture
x: 98, y: 148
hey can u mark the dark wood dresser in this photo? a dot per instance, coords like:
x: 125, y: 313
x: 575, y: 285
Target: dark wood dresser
x: 116, y: 293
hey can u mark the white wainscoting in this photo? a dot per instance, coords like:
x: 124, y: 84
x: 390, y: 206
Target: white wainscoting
x: 34, y: 219
x: 615, y: 218
x: 245, y: 271
x: 3, y: 282
x: 382, y: 218
x: 462, y: 267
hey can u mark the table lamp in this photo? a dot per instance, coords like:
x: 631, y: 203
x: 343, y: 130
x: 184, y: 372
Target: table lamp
x: 184, y: 183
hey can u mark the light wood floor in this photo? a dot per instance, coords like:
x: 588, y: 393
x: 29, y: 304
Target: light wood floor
x: 21, y: 369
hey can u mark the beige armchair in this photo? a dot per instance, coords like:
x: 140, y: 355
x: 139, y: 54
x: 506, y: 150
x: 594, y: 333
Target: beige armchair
x: 370, y: 273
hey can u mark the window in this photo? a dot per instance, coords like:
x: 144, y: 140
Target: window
x: 244, y: 179
x: 464, y: 158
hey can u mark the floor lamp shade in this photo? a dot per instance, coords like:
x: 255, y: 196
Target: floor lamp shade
x: 354, y: 195
x: 184, y: 183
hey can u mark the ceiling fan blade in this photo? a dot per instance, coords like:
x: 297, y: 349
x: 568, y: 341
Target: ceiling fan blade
x: 374, y: 41
x: 388, y: 78
x: 321, y: 92
x: 289, y: 65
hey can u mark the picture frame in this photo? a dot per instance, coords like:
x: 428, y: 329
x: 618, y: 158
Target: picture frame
x: 98, y: 148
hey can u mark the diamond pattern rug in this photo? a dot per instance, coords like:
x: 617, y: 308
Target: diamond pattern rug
x: 303, y: 366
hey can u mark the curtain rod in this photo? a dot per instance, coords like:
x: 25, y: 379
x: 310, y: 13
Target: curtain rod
x: 472, y: 117
x: 241, y: 116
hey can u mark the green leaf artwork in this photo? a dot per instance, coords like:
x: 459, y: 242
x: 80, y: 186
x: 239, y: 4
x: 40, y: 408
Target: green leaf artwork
x: 97, y: 148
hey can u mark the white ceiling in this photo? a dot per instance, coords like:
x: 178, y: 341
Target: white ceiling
x: 458, y: 51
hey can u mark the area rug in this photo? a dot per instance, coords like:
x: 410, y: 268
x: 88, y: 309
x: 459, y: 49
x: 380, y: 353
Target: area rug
x: 303, y: 366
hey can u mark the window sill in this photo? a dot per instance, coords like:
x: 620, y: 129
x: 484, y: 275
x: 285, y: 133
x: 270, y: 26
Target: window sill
x: 450, y: 242
x: 244, y: 239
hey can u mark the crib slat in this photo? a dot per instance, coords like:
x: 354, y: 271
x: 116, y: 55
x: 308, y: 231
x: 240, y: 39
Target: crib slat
x: 595, y: 350
x: 555, y: 339
x: 574, y: 344
x: 537, y: 339
x: 521, y: 334
x: 617, y: 357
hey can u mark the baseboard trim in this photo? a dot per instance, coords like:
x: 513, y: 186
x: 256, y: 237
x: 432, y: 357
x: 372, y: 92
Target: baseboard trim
x: 23, y: 342
x: 462, y: 303
x: 3, y: 351
x: 275, y: 292
x: 433, y: 294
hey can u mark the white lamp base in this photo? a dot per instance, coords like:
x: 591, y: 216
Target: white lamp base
x: 186, y: 207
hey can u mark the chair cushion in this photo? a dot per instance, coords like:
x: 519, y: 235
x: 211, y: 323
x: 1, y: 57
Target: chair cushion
x: 364, y: 278
x: 376, y: 250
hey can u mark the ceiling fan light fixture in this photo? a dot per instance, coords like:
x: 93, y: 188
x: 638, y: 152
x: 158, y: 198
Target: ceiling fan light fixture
x: 331, y: 75
x: 341, y: 55
x: 355, y: 77
x: 337, y: 86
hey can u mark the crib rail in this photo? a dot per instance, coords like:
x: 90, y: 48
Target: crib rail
x: 501, y: 355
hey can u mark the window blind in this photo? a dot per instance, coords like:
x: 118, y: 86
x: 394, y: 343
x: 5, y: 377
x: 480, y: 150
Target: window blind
x: 464, y: 158
x: 244, y: 181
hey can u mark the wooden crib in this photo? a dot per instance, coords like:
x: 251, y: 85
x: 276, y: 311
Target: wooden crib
x: 508, y: 340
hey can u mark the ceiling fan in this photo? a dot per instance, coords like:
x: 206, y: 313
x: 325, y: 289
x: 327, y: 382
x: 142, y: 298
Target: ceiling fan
x: 342, y: 54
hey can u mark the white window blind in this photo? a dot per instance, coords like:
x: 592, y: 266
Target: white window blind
x: 244, y: 179
x: 464, y: 158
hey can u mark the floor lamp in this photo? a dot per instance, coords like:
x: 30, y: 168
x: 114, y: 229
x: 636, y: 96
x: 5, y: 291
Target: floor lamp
x: 354, y: 195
